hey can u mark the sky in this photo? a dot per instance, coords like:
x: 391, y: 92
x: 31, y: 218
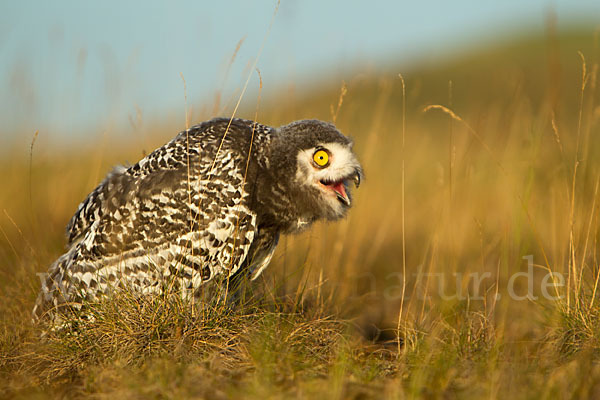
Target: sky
x: 75, y: 68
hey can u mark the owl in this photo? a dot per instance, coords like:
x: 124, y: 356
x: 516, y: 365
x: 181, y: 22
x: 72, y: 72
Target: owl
x: 208, y: 206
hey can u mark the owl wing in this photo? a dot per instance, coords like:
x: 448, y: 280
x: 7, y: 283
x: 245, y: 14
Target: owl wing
x: 92, y: 207
x: 161, y: 217
x: 171, y: 156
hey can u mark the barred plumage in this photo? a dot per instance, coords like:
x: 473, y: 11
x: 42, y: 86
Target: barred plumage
x: 209, y: 204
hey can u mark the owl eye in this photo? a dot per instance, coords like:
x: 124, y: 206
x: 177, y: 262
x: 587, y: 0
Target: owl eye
x: 321, y: 158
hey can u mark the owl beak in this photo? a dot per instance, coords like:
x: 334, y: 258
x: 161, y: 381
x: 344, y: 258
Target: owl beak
x: 340, y: 191
x: 356, y: 179
x: 339, y: 188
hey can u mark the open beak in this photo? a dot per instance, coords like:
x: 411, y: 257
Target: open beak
x: 342, y: 194
x: 340, y: 187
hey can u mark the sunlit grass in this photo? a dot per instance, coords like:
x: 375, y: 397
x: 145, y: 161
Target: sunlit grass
x: 504, y: 164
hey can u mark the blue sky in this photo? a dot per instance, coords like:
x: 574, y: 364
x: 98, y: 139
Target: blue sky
x: 76, y: 68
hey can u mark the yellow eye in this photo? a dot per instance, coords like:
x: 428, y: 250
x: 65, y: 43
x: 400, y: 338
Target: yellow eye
x: 321, y: 158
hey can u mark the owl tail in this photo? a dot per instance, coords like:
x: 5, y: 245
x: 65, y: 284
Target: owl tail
x: 53, y: 292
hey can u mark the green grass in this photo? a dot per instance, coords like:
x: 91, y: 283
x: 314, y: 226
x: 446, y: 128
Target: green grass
x: 513, y: 172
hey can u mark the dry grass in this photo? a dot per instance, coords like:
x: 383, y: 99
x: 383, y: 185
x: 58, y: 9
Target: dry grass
x: 503, y: 165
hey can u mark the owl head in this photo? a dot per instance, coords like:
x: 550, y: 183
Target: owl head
x: 320, y: 167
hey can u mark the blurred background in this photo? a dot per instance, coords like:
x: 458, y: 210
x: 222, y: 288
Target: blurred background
x: 79, y: 70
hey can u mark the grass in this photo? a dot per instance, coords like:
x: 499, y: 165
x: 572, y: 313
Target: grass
x: 474, y: 168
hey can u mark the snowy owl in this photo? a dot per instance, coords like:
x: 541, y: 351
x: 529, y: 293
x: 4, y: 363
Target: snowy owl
x: 208, y: 206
